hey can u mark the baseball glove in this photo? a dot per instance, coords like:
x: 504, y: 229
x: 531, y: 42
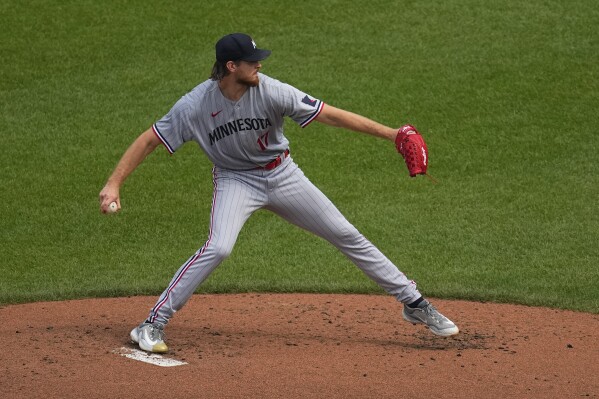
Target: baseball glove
x: 410, y: 144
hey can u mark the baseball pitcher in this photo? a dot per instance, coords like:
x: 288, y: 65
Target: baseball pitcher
x: 236, y: 117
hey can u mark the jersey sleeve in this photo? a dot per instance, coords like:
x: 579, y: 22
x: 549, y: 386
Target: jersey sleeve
x: 299, y: 106
x: 175, y: 128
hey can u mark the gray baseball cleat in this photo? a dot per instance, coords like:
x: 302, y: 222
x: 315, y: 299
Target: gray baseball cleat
x: 150, y: 337
x: 426, y: 314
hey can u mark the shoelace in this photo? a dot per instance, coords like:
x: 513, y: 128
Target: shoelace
x: 434, y: 313
x: 156, y: 333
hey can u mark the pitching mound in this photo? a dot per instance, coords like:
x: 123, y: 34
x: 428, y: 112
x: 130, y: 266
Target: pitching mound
x: 297, y: 346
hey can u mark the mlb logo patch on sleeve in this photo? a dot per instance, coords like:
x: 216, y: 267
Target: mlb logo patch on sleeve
x: 309, y: 101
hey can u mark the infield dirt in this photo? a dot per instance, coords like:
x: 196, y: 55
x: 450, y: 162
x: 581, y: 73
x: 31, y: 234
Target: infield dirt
x: 299, y: 346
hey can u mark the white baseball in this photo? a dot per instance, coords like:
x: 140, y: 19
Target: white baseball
x: 113, y: 207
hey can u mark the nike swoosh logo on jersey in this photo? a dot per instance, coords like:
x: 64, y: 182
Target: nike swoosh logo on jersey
x: 216, y: 113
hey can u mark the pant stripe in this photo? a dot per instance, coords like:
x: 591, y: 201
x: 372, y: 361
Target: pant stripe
x: 190, y: 262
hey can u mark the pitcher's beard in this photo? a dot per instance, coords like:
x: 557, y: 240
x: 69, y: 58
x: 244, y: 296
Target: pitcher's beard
x: 253, y: 82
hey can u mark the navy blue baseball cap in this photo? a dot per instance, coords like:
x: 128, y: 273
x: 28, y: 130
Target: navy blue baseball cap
x: 239, y: 47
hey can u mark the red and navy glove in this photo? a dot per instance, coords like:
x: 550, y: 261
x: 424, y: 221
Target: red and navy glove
x: 410, y: 144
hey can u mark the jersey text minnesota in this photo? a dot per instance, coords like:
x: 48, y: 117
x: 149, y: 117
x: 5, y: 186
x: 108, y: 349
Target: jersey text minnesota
x: 238, y: 125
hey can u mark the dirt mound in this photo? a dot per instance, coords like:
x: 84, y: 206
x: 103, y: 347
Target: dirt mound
x: 299, y: 346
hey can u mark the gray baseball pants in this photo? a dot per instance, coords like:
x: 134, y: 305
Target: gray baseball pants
x: 288, y: 193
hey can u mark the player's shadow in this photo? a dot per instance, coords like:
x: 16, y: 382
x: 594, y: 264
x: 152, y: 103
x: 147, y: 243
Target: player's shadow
x: 420, y: 339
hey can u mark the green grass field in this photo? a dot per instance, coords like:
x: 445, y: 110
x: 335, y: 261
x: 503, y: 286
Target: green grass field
x: 505, y: 92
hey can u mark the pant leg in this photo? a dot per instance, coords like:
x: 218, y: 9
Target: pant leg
x: 297, y: 200
x: 232, y: 204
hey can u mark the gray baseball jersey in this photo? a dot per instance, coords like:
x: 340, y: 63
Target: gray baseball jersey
x: 238, y: 135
